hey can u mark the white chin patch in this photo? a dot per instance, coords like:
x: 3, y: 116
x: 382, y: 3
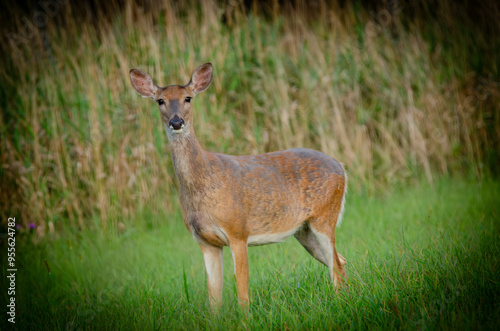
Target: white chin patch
x: 177, y: 131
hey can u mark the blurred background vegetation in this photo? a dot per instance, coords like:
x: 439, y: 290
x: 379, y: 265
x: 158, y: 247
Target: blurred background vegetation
x: 399, y: 91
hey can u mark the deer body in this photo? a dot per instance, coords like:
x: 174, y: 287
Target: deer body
x: 241, y: 201
x: 256, y: 196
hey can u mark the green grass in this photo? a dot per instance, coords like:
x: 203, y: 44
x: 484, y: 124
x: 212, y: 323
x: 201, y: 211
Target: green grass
x: 86, y: 159
x: 418, y: 258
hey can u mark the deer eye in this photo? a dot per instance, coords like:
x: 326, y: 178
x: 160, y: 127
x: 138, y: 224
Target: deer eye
x: 188, y: 99
x: 160, y: 101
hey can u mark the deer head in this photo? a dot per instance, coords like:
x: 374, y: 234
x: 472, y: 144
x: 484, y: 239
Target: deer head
x: 174, y: 100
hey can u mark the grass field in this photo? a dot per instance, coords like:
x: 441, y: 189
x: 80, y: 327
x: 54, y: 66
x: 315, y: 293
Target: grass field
x: 406, y: 95
x: 421, y: 257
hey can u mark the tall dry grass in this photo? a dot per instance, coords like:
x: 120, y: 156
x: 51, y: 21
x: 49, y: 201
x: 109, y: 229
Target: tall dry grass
x: 387, y: 95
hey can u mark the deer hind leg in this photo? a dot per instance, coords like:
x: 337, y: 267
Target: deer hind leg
x: 212, y: 256
x: 308, y: 240
x: 325, y: 236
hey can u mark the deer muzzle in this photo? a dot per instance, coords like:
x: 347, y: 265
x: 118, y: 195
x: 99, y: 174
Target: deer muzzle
x: 176, y: 123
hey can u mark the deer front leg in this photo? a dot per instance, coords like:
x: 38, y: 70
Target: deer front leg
x: 239, y: 250
x: 212, y: 256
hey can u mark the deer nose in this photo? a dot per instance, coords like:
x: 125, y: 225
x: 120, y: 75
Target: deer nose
x: 176, y: 123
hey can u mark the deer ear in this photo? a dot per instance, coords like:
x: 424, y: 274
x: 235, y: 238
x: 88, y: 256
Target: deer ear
x: 201, y: 79
x: 143, y: 83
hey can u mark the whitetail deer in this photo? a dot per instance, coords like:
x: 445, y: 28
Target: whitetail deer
x: 241, y: 201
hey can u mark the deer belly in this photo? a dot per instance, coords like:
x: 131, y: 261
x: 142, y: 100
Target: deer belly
x: 270, y: 237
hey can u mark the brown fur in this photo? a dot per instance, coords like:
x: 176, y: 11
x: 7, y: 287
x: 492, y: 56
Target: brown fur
x: 239, y: 201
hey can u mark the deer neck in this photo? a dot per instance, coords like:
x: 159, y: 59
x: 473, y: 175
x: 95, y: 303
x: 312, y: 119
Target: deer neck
x: 189, y: 159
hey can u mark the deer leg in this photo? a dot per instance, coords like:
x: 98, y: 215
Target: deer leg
x: 334, y: 261
x: 340, y: 263
x: 212, y: 256
x: 240, y: 258
x: 308, y: 240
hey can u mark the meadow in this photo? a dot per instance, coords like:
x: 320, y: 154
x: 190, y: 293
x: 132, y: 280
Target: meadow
x: 418, y: 258
x: 406, y: 95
